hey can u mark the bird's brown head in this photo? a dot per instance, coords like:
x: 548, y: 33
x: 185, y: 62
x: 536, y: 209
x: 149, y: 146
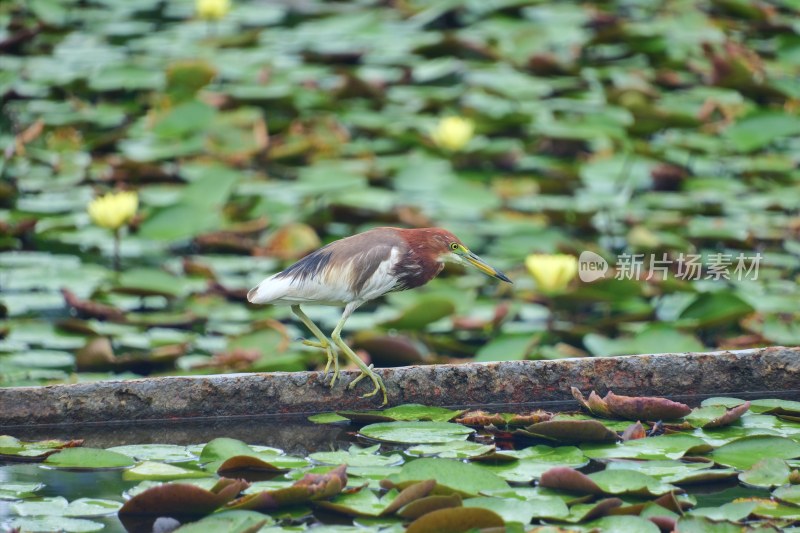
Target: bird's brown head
x: 445, y: 246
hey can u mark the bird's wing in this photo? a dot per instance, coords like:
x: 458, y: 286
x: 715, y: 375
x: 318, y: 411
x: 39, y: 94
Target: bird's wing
x: 343, y: 271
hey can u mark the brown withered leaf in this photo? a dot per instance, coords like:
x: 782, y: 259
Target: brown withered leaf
x: 481, y: 418
x: 594, y: 404
x: 602, y: 508
x: 664, y: 523
x: 410, y: 494
x: 633, y: 432
x: 645, y: 408
x: 565, y: 478
x: 455, y: 520
x: 48, y: 448
x: 569, y: 431
x: 428, y: 504
x: 533, y: 417
x: 312, y: 487
x: 249, y: 468
x: 669, y: 501
x: 731, y: 415
x: 181, y: 499
x: 90, y: 309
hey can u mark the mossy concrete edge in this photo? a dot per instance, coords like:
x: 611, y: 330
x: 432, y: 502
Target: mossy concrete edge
x: 774, y: 369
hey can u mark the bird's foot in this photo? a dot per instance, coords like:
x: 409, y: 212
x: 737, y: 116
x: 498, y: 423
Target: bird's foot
x: 376, y: 379
x: 333, y: 357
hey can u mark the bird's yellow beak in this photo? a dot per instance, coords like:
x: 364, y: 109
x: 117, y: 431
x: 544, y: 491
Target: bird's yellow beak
x: 484, y: 267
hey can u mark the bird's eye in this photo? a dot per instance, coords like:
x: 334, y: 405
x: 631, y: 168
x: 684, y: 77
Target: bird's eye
x: 454, y: 246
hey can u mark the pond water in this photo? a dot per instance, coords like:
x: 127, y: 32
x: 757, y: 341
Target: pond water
x: 296, y: 436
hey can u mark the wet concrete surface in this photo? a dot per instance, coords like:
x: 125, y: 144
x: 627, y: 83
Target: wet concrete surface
x: 770, y: 371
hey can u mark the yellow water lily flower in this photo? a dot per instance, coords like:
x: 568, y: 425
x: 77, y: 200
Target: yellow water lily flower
x: 552, y: 273
x: 453, y: 133
x: 114, y: 209
x: 212, y: 9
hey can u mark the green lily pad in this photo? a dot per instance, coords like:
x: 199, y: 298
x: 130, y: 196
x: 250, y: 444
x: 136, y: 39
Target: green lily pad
x: 161, y: 472
x: 520, y: 511
x: 451, y: 450
x: 154, y: 452
x: 416, y: 432
x: 768, y: 472
x: 88, y: 459
x: 229, y: 521
x: 451, y: 476
x: 532, y: 462
x: 672, y: 446
x: 745, y: 452
x: 456, y: 520
x: 327, y: 418
x: 356, y: 456
x: 405, y: 412
x: 55, y: 523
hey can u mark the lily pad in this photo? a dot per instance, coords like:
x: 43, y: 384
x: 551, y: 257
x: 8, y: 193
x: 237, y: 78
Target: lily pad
x: 456, y: 520
x: 88, y: 459
x: 416, y: 432
x: 451, y: 476
x: 745, y: 452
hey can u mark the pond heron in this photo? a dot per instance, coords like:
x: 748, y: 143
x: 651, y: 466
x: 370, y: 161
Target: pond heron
x: 356, y: 269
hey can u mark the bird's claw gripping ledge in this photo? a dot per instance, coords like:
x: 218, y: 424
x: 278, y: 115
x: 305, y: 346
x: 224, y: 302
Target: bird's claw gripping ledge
x: 376, y: 379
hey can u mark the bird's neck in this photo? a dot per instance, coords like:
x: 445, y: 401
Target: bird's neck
x: 416, y: 268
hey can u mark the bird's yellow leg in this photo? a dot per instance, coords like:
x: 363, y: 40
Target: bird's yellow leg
x: 323, y: 343
x: 366, y: 371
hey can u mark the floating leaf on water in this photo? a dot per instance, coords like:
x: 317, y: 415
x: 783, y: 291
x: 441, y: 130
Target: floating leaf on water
x: 455, y: 520
x: 412, y: 492
x: 633, y: 432
x: 768, y: 473
x: 362, y: 502
x: 481, y: 418
x: 89, y: 459
x: 405, y: 412
x: 451, y: 476
x: 570, y: 431
x: 745, y: 452
x: 632, y: 407
x: 180, y: 499
x: 645, y: 408
x: 533, y: 461
x: 228, y: 521
x: 55, y: 523
x: 672, y: 446
x: 713, y: 416
x: 154, y: 452
x: 416, y: 432
x: 624, y: 523
x: 428, y: 504
x: 733, y: 511
x: 327, y: 418
x: 356, y: 456
x: 310, y: 488
x: 18, y: 491
x: 451, y: 450
x: 162, y: 472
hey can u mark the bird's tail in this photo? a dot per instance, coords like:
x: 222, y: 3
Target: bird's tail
x: 271, y: 289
